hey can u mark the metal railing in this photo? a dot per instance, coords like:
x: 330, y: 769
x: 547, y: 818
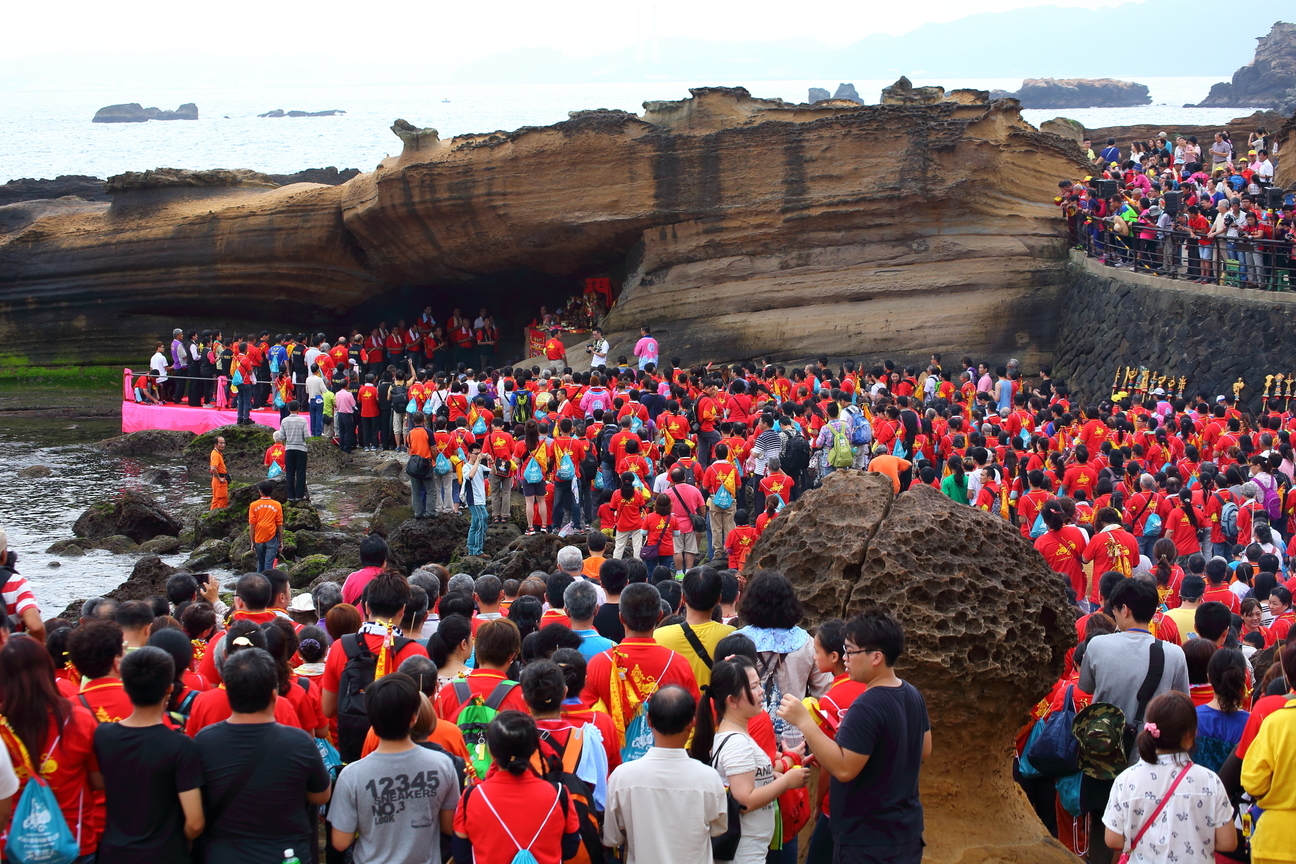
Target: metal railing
x: 1233, y: 262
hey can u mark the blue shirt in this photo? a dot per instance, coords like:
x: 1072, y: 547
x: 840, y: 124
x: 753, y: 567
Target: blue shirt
x: 592, y: 644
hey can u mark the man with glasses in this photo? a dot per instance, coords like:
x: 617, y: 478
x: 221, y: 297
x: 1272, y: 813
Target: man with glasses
x: 881, y: 744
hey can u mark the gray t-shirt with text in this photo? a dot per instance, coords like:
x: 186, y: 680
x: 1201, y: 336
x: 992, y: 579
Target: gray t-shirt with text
x: 393, y: 801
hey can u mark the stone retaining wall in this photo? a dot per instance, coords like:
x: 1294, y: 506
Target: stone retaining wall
x: 1212, y: 335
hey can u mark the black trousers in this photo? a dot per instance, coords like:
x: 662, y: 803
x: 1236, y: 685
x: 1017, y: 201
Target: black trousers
x: 295, y: 473
x: 347, y: 431
x: 368, y: 431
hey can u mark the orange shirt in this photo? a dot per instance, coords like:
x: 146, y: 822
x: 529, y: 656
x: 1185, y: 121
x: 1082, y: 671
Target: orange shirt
x: 265, y: 515
x: 418, y: 442
x: 444, y: 733
x: 592, y: 565
x: 218, y: 462
x: 891, y: 466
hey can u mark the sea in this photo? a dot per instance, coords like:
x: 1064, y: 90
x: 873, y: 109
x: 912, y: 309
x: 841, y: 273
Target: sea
x: 47, y: 134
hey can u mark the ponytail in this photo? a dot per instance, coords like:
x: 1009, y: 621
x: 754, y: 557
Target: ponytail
x: 728, y: 678
x: 512, y: 738
x: 1169, y: 718
x: 451, y: 633
x: 1228, y: 676
x: 627, y: 485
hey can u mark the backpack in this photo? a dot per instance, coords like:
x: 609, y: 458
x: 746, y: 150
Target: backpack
x: 1228, y: 520
x: 795, y: 454
x: 475, y: 714
x: 1055, y: 751
x: 479, y: 425
x: 533, y: 473
x: 723, y: 497
x: 357, y: 674
x: 604, y: 443
x: 38, y: 833
x: 1272, y: 500
x: 523, y: 406
x: 180, y: 716
x: 560, y: 767
x: 1038, y: 529
x: 566, y: 471
x: 635, y: 423
x: 898, y: 449
x: 861, y: 432
x: 442, y: 465
x: 841, y: 455
x: 524, y: 854
x: 400, y: 396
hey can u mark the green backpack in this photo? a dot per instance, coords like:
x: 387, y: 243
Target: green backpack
x: 841, y: 455
x: 475, y: 714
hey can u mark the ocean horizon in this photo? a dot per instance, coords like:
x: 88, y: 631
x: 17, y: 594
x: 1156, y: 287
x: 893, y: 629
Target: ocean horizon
x: 50, y: 133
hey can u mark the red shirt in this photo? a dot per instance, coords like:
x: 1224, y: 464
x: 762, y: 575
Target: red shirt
x: 481, y: 682
x: 576, y: 714
x: 1028, y: 507
x: 337, y: 658
x: 629, y: 510
x: 105, y: 699
x: 1082, y: 476
x: 661, y: 530
x: 1111, y: 550
x: 75, y: 758
x: 778, y: 484
x: 555, y: 349
x: 708, y: 411
x: 525, y: 805
x: 739, y: 545
x: 212, y: 707
x: 1182, y: 532
x: 368, y: 399
x: 554, y: 616
x: 649, y: 666
x: 1062, y: 551
x: 1225, y: 595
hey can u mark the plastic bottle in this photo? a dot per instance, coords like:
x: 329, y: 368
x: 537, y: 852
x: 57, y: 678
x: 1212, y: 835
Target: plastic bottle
x: 290, y: 857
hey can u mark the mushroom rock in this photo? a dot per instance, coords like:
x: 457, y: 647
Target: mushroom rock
x: 1066, y: 127
x: 902, y: 92
x: 742, y: 226
x: 1268, y: 81
x: 987, y: 626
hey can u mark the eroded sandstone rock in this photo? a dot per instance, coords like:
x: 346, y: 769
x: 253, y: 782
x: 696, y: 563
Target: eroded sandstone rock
x: 987, y: 626
x: 1268, y: 81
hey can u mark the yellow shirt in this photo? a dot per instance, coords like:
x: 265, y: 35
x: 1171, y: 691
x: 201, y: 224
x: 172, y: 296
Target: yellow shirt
x: 709, y: 634
x: 1185, y: 620
x: 1269, y: 774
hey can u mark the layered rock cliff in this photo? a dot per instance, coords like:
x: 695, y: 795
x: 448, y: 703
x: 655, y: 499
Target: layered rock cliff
x: 1077, y: 93
x: 737, y: 226
x: 1268, y: 81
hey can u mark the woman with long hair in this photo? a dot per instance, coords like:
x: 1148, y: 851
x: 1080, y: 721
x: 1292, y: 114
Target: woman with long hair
x: 1169, y: 575
x: 1062, y: 546
x: 1221, y: 720
x: 450, y: 647
x: 628, y: 503
x: 1183, y: 527
x: 48, y: 735
x: 721, y: 739
x: 535, y: 467
x: 954, y: 485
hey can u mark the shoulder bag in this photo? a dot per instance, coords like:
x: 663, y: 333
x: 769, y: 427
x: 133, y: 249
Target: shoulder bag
x: 1125, y: 856
x: 699, y: 522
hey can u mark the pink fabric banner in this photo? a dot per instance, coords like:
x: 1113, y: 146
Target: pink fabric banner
x: 136, y: 418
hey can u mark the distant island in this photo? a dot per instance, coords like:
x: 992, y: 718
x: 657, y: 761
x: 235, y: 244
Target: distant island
x: 1077, y: 93
x: 279, y: 112
x: 136, y: 113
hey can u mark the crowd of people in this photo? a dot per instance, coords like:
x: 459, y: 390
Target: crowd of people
x: 599, y: 712
x: 1201, y: 211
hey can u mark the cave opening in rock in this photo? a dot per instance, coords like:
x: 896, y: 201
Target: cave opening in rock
x: 513, y: 297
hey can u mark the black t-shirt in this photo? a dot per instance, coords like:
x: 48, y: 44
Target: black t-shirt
x: 270, y: 813
x: 607, y: 621
x: 880, y: 807
x: 145, y: 770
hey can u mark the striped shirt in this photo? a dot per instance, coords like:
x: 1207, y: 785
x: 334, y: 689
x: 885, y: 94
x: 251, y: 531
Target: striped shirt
x: 18, y: 596
x: 294, y: 432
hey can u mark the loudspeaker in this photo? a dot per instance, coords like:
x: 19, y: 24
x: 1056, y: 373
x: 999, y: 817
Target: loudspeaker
x: 1172, y: 202
x: 1106, y: 188
x: 1274, y: 197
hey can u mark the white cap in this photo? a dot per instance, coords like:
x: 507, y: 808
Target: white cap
x: 302, y: 603
x: 1220, y: 398
x: 1158, y: 392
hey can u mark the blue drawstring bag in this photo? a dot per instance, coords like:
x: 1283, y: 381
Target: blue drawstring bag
x: 275, y: 471
x: 442, y: 466
x: 723, y: 498
x: 533, y: 473
x: 566, y: 470
x: 479, y: 425
x: 898, y: 450
x: 1038, y: 528
x: 38, y: 833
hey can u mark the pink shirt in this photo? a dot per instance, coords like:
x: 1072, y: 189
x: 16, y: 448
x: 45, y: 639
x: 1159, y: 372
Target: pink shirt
x: 344, y: 402
x: 692, y: 497
x: 646, y: 348
x: 353, y: 588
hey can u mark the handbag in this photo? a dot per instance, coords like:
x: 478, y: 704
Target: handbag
x: 650, y: 552
x: 699, y: 522
x: 418, y: 467
x: 1055, y: 752
x: 1125, y: 856
x: 725, y: 847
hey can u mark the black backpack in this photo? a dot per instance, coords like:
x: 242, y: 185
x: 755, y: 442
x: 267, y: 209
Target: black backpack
x: 399, y: 398
x: 357, y: 674
x: 560, y: 768
x: 795, y: 455
x: 523, y: 406
x: 605, y: 444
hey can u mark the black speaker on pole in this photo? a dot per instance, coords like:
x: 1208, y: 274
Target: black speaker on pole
x: 1172, y: 202
x: 1106, y: 188
x: 1274, y: 197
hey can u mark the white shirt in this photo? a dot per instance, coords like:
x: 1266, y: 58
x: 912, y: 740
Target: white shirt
x: 742, y: 755
x: 312, y: 354
x: 314, y: 386
x: 1265, y: 170
x: 1184, y: 830
x: 159, y: 362
x: 479, y: 323
x: 9, y: 780
x: 599, y: 356
x: 679, y: 803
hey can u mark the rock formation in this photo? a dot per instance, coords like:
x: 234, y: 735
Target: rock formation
x: 742, y: 226
x: 279, y: 112
x: 1268, y: 81
x: 29, y: 188
x: 136, y: 113
x: 818, y: 94
x: 1077, y: 93
x: 1065, y: 127
x: 902, y: 92
x: 987, y: 626
x: 130, y: 514
x: 849, y: 93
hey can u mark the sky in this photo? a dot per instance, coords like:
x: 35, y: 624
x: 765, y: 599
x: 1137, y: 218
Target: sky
x: 449, y: 34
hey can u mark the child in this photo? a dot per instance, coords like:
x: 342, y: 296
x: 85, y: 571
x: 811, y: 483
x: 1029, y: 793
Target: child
x: 312, y: 649
x: 1142, y: 811
x: 830, y: 656
x: 771, y: 510
x: 596, y: 542
x: 659, y: 528
x: 606, y: 516
x: 741, y: 540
